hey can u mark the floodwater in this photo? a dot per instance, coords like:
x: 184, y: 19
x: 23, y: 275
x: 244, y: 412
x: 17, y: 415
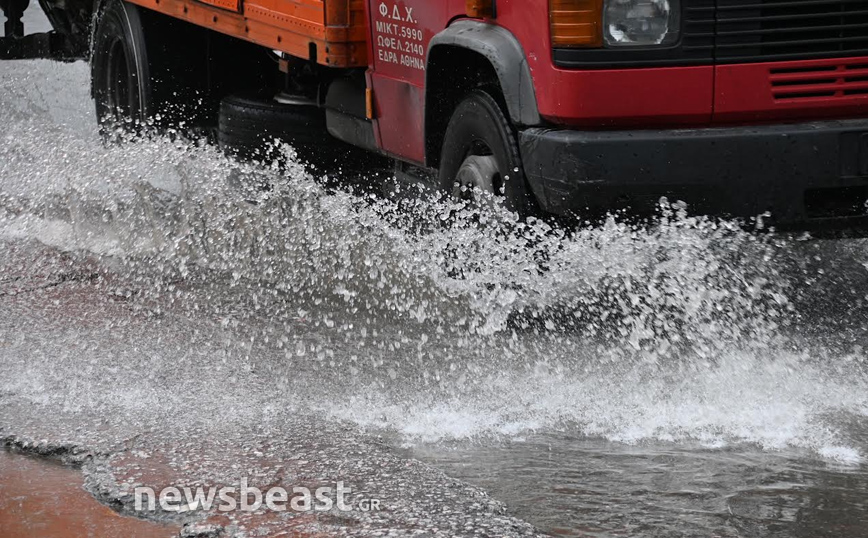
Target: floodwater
x: 684, y: 380
x: 575, y: 486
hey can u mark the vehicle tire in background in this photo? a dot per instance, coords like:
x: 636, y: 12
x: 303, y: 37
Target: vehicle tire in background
x: 480, y: 151
x: 249, y: 127
x: 146, y: 68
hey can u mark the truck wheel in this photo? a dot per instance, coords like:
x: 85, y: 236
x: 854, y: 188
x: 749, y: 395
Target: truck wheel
x: 120, y: 73
x: 480, y: 152
x: 148, y: 68
x: 249, y: 125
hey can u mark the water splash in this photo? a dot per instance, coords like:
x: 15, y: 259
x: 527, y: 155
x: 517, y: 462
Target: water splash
x: 433, y: 323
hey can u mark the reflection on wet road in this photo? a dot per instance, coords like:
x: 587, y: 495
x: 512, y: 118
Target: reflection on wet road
x: 46, y: 499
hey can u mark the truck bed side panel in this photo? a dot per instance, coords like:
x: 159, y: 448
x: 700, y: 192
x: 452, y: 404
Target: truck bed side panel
x: 334, y: 29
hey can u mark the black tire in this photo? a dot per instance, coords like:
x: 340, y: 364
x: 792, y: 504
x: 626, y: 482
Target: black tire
x: 120, y: 73
x: 249, y: 126
x: 138, y: 73
x: 478, y: 127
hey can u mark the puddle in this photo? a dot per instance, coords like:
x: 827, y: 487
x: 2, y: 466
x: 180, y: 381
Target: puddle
x: 44, y: 498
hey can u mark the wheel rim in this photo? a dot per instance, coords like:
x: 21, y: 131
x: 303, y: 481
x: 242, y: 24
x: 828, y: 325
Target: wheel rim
x: 477, y: 179
x: 118, y: 82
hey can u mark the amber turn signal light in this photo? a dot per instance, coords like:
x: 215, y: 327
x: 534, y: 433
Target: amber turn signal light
x: 480, y: 9
x: 576, y: 23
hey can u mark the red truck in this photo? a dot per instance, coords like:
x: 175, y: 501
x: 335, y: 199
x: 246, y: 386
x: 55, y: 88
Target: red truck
x: 737, y: 107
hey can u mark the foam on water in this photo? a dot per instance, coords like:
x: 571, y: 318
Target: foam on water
x: 774, y: 401
x: 687, y: 330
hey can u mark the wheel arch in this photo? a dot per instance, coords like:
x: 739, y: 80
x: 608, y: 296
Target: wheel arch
x: 470, y: 54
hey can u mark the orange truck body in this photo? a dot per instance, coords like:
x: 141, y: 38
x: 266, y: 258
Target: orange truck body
x: 332, y: 31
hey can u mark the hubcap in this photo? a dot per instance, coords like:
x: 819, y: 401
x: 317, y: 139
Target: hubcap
x: 478, y: 174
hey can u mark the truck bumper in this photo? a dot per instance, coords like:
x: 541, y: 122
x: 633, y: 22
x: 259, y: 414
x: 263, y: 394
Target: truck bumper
x: 810, y: 176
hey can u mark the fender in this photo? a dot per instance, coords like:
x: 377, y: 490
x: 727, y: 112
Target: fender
x: 504, y: 51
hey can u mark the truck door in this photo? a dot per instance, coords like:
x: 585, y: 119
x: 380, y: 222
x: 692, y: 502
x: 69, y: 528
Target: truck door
x: 400, y: 32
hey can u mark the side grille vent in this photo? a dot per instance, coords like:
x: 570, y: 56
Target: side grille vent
x: 842, y: 79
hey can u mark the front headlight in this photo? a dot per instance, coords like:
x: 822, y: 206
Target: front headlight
x: 636, y: 23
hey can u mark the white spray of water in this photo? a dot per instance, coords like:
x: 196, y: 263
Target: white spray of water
x: 673, y: 332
